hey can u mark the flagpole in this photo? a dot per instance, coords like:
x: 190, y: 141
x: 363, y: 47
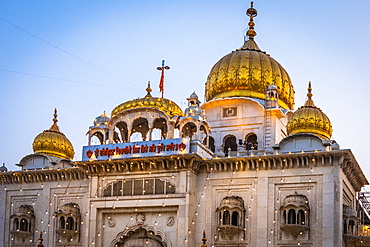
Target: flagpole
x: 161, y: 81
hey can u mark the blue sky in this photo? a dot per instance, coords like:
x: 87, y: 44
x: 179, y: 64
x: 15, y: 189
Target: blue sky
x: 84, y: 57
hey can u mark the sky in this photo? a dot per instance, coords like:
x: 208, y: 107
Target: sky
x: 85, y: 57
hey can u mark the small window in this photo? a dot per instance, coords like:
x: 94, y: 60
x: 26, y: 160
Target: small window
x: 24, y: 225
x: 15, y: 224
x: 291, y: 216
x: 148, y: 186
x: 159, y: 186
x: 108, y: 190
x: 127, y: 187
x: 117, y: 188
x: 209, y: 141
x: 70, y: 223
x: 62, y: 223
x: 226, y: 218
x: 235, y: 218
x: 170, y: 188
x: 138, y: 187
x: 351, y: 227
x: 301, y: 217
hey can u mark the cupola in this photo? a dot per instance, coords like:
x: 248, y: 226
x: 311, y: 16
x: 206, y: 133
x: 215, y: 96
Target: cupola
x: 309, y: 119
x: 52, y: 142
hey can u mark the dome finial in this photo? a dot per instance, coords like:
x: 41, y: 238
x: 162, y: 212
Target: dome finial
x: 40, y: 240
x: 251, y: 12
x: 309, y: 94
x: 55, y: 120
x: 104, y: 114
x: 309, y: 101
x: 149, y: 90
x: 55, y: 127
x: 204, y: 239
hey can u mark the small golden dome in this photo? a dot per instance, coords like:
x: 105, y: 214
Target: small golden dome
x: 247, y: 72
x: 309, y: 119
x: 167, y: 106
x: 53, y: 142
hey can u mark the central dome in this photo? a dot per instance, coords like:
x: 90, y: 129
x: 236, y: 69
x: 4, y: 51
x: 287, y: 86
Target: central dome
x: 248, y: 72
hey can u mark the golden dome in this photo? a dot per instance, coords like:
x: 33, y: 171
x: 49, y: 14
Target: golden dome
x: 167, y: 106
x: 247, y: 72
x: 53, y: 142
x: 309, y: 119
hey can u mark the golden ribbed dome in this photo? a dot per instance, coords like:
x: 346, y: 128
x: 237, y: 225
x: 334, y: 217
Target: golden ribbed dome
x: 309, y: 119
x: 247, y: 72
x: 53, y: 142
x: 167, y: 106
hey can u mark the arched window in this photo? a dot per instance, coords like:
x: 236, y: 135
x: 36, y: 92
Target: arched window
x: 351, y: 227
x: 189, y: 130
x: 122, y: 132
x: 235, y: 218
x: 159, y: 131
x: 69, y: 219
x: 24, y: 225
x: 140, y: 125
x: 209, y: 141
x: 15, y: 224
x: 62, y: 222
x: 70, y: 223
x: 345, y: 230
x: 301, y: 217
x: 230, y: 143
x: 231, y: 215
x: 291, y: 216
x: 251, y: 142
x: 295, y: 215
x: 97, y: 138
x: 226, y: 218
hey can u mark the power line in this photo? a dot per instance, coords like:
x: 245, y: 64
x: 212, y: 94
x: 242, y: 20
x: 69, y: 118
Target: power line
x: 60, y: 79
x: 66, y: 52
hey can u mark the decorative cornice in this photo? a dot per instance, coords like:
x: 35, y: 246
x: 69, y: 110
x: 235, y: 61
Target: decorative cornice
x: 36, y: 176
x: 148, y: 164
x: 342, y: 158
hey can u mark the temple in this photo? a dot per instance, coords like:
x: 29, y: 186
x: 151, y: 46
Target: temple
x: 243, y: 168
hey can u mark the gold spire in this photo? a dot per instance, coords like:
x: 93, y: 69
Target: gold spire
x: 251, y: 12
x: 251, y: 33
x: 104, y: 114
x: 309, y: 101
x: 55, y: 127
x: 204, y: 240
x: 149, y: 90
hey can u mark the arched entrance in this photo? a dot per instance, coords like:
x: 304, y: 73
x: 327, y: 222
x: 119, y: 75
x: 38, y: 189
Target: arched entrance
x: 141, y: 236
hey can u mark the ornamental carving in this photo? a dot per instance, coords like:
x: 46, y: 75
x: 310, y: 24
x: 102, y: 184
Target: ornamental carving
x: 170, y: 221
